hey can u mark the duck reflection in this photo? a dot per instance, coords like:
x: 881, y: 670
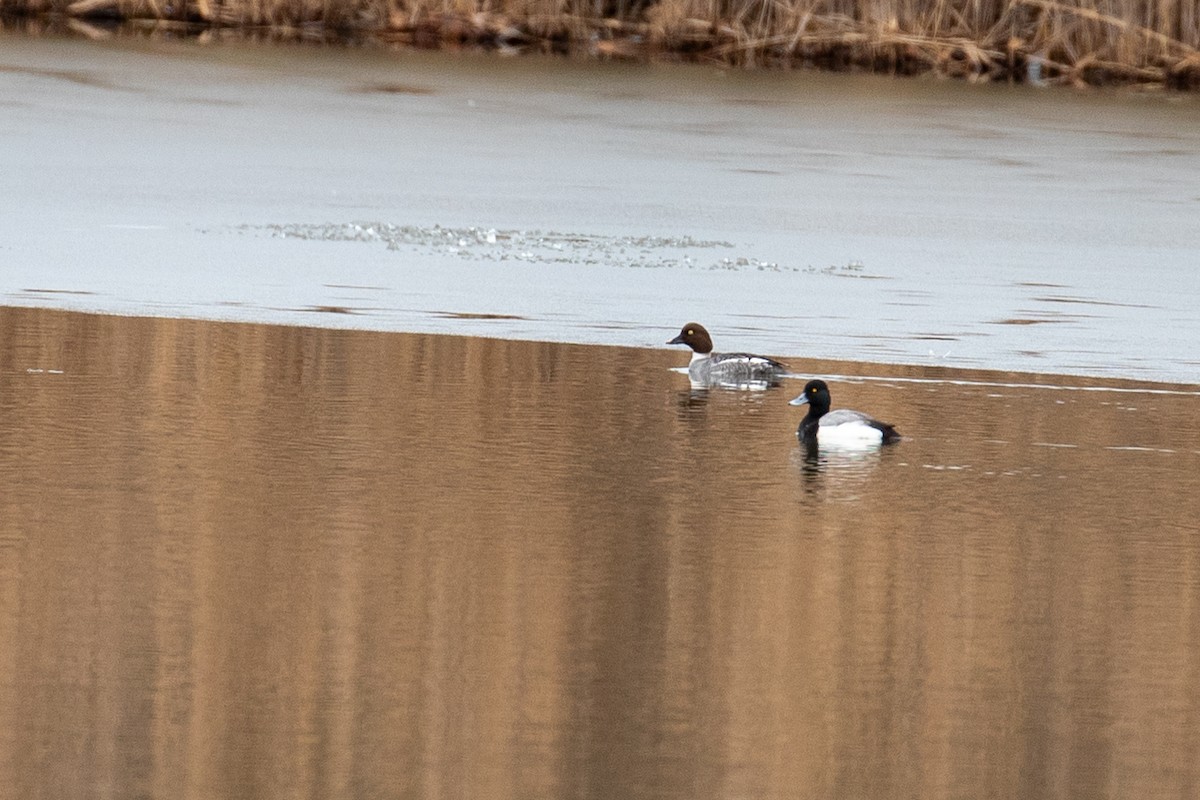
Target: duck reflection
x: 701, y: 396
x: 742, y: 384
x: 837, y: 474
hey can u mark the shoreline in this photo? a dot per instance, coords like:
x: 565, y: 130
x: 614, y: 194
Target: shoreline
x: 1038, y: 42
x: 851, y: 370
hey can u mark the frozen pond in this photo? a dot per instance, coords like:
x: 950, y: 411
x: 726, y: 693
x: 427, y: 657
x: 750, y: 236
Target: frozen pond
x: 799, y: 215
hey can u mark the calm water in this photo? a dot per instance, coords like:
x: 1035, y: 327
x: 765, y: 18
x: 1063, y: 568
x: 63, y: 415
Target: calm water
x: 252, y: 561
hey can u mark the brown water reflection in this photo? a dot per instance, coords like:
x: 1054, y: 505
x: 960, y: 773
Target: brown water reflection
x: 250, y: 561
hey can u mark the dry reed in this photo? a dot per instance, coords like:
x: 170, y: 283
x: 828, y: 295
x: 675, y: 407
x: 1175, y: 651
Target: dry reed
x: 1057, y: 41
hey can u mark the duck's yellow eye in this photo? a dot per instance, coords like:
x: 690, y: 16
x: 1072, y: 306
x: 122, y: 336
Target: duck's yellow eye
x: 690, y: 332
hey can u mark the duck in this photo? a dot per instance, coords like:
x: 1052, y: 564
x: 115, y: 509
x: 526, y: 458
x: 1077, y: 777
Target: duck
x: 740, y: 369
x: 842, y: 427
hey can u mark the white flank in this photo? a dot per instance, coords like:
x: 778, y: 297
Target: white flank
x: 849, y: 434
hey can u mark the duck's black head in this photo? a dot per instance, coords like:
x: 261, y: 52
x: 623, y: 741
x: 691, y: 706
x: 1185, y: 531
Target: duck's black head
x: 815, y: 396
x: 694, y: 336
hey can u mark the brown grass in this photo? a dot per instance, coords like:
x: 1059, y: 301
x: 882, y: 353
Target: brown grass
x: 1059, y: 41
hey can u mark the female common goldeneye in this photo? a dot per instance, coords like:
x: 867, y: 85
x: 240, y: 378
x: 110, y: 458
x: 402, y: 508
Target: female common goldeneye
x: 740, y: 369
x: 842, y: 427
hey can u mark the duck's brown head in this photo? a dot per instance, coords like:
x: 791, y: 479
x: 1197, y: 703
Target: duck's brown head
x: 695, y: 337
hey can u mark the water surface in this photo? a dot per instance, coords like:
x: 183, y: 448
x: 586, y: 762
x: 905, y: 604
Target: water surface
x: 264, y: 561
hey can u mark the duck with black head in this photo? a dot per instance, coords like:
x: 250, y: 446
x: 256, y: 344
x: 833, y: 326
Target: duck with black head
x: 726, y: 369
x: 841, y: 428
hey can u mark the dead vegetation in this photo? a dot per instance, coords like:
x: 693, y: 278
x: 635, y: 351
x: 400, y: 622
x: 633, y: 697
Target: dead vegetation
x: 1154, y: 42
